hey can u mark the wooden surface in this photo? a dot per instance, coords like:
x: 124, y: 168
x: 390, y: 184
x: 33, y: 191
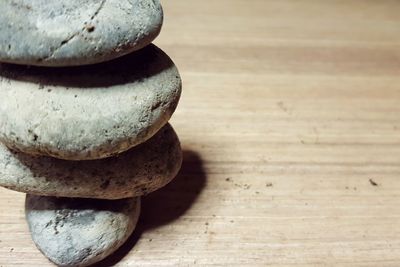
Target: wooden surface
x: 290, y: 124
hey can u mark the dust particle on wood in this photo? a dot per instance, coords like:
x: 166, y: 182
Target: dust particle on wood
x: 372, y: 182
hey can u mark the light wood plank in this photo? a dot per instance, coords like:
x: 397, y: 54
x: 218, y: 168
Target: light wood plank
x: 289, y: 109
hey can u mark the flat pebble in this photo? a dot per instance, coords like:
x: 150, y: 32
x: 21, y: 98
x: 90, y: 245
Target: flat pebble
x: 75, y: 32
x: 89, y: 112
x: 80, y: 232
x: 136, y: 172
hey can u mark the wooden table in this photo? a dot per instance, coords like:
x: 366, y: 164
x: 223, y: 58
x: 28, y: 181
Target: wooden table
x: 290, y: 125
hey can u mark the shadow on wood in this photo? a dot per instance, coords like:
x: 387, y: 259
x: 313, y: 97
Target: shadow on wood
x: 165, y: 205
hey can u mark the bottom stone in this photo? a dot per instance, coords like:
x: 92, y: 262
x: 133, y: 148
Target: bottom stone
x: 77, y: 231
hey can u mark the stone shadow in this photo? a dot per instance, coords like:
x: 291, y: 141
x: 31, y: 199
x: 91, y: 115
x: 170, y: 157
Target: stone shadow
x: 167, y: 204
x: 134, y: 67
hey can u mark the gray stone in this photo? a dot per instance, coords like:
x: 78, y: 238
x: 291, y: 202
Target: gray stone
x: 136, y: 172
x: 80, y: 232
x: 75, y: 32
x: 87, y: 112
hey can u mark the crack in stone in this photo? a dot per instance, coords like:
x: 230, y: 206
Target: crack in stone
x: 63, y: 43
x: 98, y: 10
x: 66, y: 41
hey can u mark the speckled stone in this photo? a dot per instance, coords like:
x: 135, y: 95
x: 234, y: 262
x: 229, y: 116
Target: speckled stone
x: 75, y: 32
x: 80, y: 232
x: 88, y: 112
x: 136, y: 172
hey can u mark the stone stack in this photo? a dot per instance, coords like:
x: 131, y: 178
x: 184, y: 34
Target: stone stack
x: 85, y: 100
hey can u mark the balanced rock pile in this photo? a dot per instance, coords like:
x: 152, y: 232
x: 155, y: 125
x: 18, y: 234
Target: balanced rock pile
x: 84, y: 105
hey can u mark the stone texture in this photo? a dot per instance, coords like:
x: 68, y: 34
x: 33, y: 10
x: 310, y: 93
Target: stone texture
x: 136, y: 172
x: 75, y: 32
x: 80, y: 232
x: 87, y: 112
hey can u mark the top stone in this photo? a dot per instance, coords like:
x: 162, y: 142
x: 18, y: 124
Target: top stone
x: 76, y: 32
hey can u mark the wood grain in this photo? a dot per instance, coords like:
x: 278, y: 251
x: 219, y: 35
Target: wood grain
x: 290, y: 113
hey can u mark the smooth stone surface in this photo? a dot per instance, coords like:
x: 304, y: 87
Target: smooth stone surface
x: 136, y: 172
x: 75, y: 32
x: 87, y: 112
x: 80, y: 232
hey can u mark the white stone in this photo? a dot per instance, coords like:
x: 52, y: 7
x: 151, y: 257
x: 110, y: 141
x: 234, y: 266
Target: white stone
x: 80, y: 232
x: 75, y: 32
x: 89, y: 112
x: 139, y: 171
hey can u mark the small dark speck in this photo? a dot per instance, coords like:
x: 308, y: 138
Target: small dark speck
x: 228, y: 179
x: 90, y: 28
x: 372, y: 182
x: 12, y: 249
x: 150, y: 239
x: 49, y: 90
x: 76, y: 96
x: 281, y: 105
x: 269, y: 185
x: 206, y: 223
x: 232, y: 221
x: 35, y: 137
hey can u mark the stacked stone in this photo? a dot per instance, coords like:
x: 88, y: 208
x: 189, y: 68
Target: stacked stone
x: 85, y: 100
